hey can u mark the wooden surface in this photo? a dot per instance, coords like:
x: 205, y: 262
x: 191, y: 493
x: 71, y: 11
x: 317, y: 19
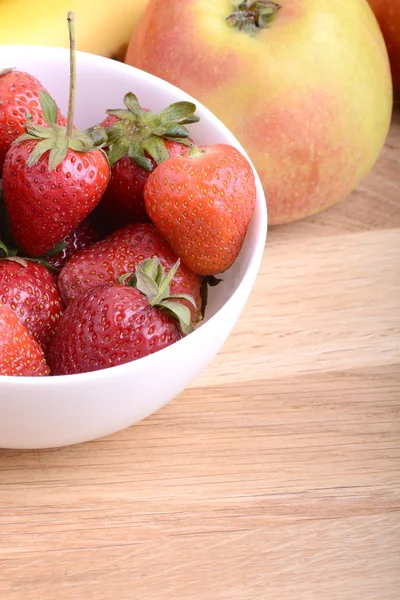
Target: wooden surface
x: 276, y: 475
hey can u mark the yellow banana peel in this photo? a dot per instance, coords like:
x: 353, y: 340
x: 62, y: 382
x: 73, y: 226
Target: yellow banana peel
x: 102, y: 26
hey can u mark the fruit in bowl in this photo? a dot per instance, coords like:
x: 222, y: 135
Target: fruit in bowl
x: 69, y: 408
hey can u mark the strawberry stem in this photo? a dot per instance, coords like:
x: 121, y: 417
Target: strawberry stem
x: 72, y: 73
x: 195, y: 151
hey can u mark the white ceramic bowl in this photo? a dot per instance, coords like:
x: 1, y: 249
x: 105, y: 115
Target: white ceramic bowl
x: 56, y: 411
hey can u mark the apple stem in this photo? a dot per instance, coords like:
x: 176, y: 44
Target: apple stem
x: 250, y: 16
x: 72, y: 73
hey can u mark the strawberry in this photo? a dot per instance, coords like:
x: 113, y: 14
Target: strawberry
x: 31, y: 292
x: 118, y: 254
x: 53, y: 177
x: 20, y: 354
x: 46, y: 204
x: 139, y: 140
x: 19, y: 93
x: 202, y: 204
x: 86, y: 234
x: 113, y: 324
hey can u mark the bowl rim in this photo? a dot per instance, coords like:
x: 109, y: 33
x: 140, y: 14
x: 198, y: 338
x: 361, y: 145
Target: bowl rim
x: 256, y: 252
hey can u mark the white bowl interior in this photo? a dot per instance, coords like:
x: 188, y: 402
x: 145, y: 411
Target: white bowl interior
x: 101, y: 84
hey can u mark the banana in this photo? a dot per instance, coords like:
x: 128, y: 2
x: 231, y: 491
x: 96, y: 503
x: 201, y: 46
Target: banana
x: 102, y: 26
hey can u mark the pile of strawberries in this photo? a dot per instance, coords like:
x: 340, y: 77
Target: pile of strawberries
x: 108, y: 236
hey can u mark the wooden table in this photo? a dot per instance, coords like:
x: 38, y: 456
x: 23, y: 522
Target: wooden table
x: 276, y: 475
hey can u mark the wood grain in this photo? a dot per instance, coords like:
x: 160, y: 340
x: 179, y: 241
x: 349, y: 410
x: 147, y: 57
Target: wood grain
x: 276, y: 475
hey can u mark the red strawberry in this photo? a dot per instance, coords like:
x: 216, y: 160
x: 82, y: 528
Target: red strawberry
x: 31, y: 292
x: 118, y: 254
x: 53, y: 177
x: 86, y: 234
x: 19, y: 93
x: 20, y: 354
x: 139, y: 140
x: 45, y: 205
x: 202, y: 204
x: 113, y: 324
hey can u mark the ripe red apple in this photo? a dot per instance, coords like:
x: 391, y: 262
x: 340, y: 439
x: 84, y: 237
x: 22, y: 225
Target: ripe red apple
x: 388, y: 14
x: 305, y: 86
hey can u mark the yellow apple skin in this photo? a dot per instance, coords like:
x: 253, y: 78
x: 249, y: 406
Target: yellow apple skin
x: 388, y: 14
x: 309, y: 98
x: 102, y: 27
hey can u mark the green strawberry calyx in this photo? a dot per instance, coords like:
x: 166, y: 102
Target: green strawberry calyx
x: 149, y: 279
x: 195, y: 151
x: 5, y: 71
x: 12, y: 254
x: 6, y: 251
x: 55, y: 138
x: 139, y: 132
